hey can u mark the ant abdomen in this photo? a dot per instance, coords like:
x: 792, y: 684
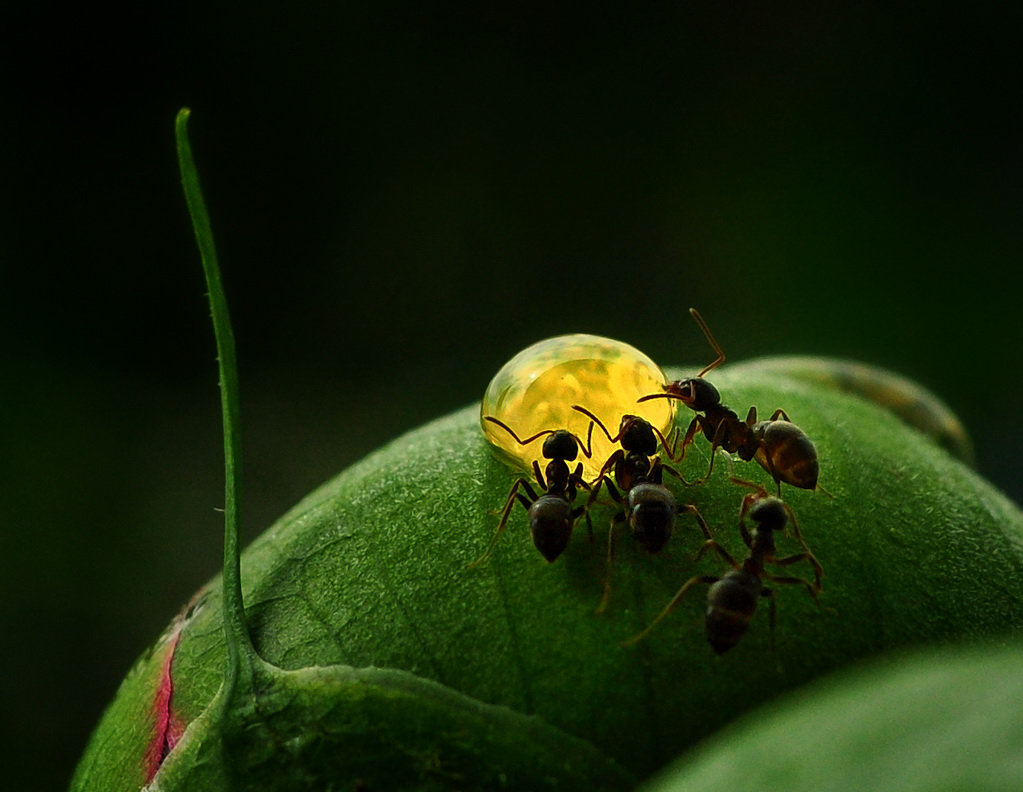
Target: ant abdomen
x: 787, y: 453
x: 731, y: 603
x: 652, y: 512
x: 551, y: 519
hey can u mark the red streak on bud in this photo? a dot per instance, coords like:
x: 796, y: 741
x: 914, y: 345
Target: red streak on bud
x: 168, y: 727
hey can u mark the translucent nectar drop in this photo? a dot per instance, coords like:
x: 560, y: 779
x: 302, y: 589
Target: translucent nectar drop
x: 535, y: 391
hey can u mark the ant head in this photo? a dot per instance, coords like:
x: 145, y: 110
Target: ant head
x: 560, y: 444
x: 695, y: 393
x: 637, y: 435
x: 769, y: 513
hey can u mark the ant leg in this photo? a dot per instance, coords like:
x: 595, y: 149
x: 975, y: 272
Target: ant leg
x: 605, y: 598
x: 615, y: 522
x: 768, y: 464
x: 712, y: 544
x: 513, y: 495
x: 819, y: 488
x: 603, y: 473
x: 760, y: 491
x: 539, y: 476
x: 719, y: 436
x: 654, y: 475
x: 780, y: 413
x: 818, y: 571
x: 575, y: 479
x: 795, y: 528
x: 673, y: 437
x: 668, y: 448
x: 687, y: 441
x: 699, y: 519
x: 794, y: 581
x: 602, y: 479
x: 677, y: 474
x: 706, y: 579
x: 771, y: 611
x: 580, y: 511
x: 748, y: 501
x: 594, y: 491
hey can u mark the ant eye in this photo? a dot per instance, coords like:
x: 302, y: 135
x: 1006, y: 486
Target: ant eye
x: 535, y: 391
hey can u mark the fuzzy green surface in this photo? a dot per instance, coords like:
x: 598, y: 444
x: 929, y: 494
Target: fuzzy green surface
x: 948, y: 720
x: 370, y: 571
x: 116, y: 756
x: 337, y: 727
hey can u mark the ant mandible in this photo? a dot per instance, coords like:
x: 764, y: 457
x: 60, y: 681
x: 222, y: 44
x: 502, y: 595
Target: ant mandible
x: 646, y: 505
x: 778, y: 445
x: 551, y: 515
x: 732, y: 597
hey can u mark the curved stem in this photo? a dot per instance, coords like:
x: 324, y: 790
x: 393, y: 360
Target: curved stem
x: 239, y: 642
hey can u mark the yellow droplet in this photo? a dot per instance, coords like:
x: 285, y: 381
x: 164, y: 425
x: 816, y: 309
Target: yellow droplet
x: 535, y: 391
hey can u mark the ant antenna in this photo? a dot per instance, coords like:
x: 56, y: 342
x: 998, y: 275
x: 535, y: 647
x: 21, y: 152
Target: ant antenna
x: 713, y: 342
x: 511, y: 431
x: 585, y: 449
x: 595, y: 420
x: 617, y: 437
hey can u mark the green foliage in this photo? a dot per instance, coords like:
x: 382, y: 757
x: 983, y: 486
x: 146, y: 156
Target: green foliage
x: 338, y: 727
x: 370, y: 571
x: 947, y: 720
x: 370, y: 656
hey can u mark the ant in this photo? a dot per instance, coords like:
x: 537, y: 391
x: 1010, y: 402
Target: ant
x: 551, y: 515
x: 732, y: 597
x: 645, y: 503
x: 778, y: 445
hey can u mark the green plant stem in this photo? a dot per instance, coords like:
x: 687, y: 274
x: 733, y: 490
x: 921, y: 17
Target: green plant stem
x: 239, y: 642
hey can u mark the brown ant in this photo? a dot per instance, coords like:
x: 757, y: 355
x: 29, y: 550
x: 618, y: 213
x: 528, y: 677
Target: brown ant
x: 551, y: 515
x: 778, y: 445
x: 646, y: 505
x: 732, y: 597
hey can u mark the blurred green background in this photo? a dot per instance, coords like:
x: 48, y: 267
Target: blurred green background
x: 405, y: 196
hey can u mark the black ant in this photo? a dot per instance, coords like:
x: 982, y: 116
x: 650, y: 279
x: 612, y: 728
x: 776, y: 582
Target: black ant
x: 646, y: 504
x: 732, y: 597
x: 778, y: 445
x: 551, y: 515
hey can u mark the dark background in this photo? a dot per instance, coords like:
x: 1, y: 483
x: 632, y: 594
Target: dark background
x: 404, y: 197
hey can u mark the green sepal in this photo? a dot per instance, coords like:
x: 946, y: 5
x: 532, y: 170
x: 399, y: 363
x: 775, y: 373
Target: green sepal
x: 338, y: 727
x: 371, y: 570
x: 948, y: 720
